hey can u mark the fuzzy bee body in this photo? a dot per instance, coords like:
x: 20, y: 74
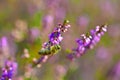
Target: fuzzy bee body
x: 51, y: 50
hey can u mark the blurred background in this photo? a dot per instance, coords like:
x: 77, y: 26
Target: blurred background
x: 26, y: 24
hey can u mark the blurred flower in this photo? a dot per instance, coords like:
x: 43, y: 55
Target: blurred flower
x: 109, y: 7
x: 17, y: 35
x: 114, y: 30
x: 48, y: 21
x: 52, y: 3
x: 21, y: 25
x: 5, y: 46
x: 117, y: 72
x: 83, y: 21
x: 26, y: 54
x: 103, y: 54
x: 71, y: 56
x: 60, y: 71
x: 37, y: 62
x: 34, y: 34
x: 9, y: 70
x: 114, y: 73
x: 32, y: 9
x: 60, y: 13
x: 20, y: 30
x: 28, y: 71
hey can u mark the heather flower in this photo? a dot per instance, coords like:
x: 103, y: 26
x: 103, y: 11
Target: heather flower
x: 88, y: 41
x: 8, y: 71
x: 53, y: 45
x: 55, y: 37
x: 96, y: 35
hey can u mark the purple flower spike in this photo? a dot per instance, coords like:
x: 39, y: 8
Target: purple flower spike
x: 8, y: 70
x: 55, y: 37
x: 96, y: 34
x: 88, y: 41
x: 53, y: 45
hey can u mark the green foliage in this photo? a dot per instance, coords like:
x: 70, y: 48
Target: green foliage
x: 36, y: 19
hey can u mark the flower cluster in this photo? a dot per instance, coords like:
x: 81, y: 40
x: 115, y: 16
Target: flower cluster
x: 8, y: 70
x: 56, y: 36
x: 53, y: 45
x: 88, y: 41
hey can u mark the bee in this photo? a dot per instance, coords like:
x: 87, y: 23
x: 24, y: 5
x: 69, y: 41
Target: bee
x: 50, y: 50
